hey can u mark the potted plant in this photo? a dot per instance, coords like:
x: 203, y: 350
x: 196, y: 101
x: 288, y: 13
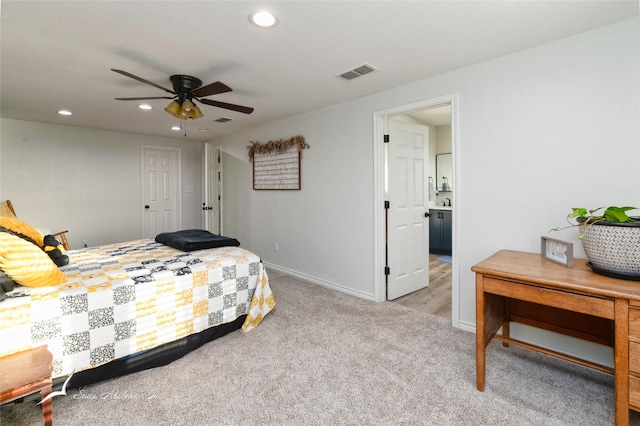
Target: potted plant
x: 610, y: 239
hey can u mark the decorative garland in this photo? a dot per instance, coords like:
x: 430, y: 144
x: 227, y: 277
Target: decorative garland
x: 277, y: 147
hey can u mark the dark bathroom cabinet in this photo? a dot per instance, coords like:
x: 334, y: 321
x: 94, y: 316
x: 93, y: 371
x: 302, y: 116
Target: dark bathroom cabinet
x: 440, y: 228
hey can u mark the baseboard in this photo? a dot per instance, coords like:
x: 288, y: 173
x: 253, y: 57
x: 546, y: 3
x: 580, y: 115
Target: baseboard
x: 467, y: 326
x: 322, y: 282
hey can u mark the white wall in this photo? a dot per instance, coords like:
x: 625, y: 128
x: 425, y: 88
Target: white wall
x: 321, y: 230
x: 85, y: 180
x: 539, y: 132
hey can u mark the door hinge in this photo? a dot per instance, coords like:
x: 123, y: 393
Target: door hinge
x: 386, y: 138
x: 219, y: 197
x: 219, y: 159
x: 386, y: 205
x: 387, y: 270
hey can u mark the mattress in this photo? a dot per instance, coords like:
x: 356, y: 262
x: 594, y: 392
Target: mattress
x: 122, y: 299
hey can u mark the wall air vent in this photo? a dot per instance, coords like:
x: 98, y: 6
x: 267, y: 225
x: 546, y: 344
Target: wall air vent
x: 357, y: 72
x: 222, y: 120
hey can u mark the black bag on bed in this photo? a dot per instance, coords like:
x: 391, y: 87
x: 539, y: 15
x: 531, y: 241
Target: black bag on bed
x: 195, y: 239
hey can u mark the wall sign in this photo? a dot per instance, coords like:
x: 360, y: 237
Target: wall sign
x: 276, y: 171
x: 276, y: 164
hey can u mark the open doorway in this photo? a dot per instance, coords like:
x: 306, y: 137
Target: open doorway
x: 434, y: 113
x: 435, y: 299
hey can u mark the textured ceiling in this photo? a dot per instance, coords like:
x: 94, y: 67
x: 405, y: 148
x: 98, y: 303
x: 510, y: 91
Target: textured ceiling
x: 59, y: 54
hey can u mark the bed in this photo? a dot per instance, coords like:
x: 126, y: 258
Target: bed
x: 135, y: 305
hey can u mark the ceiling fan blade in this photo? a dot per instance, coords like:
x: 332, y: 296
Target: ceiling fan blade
x: 211, y: 89
x: 142, y: 80
x: 233, y: 107
x: 143, y: 99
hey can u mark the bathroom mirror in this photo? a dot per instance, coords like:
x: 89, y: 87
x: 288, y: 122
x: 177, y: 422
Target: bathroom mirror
x: 444, y: 172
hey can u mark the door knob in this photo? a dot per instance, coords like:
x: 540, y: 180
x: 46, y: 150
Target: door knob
x: 146, y: 207
x: 426, y: 214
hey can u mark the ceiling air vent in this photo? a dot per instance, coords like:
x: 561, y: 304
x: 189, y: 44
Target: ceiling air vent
x: 357, y: 72
x: 222, y: 120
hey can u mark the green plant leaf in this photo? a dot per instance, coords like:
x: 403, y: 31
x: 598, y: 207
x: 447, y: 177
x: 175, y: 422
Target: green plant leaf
x: 587, y: 218
x: 577, y: 212
x: 617, y: 214
x: 591, y: 212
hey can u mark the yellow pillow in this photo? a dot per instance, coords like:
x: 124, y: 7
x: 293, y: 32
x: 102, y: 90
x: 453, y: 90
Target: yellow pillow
x: 26, y: 263
x: 21, y: 228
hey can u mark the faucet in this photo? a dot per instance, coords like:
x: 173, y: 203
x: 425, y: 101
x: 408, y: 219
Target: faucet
x: 448, y: 199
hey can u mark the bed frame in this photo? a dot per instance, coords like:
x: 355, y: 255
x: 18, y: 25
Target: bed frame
x: 156, y: 357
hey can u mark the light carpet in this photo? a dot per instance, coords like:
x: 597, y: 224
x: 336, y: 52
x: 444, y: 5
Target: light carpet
x: 326, y: 358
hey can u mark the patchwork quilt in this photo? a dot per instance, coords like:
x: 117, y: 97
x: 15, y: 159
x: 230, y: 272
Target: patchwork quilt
x: 125, y: 298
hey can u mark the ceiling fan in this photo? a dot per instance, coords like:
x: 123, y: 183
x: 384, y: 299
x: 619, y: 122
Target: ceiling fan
x: 186, y: 89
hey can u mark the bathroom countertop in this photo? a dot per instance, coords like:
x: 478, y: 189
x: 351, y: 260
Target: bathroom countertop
x: 441, y: 208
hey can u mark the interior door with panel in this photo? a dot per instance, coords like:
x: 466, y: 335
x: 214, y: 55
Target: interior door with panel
x: 212, y: 203
x: 160, y: 191
x: 407, y: 226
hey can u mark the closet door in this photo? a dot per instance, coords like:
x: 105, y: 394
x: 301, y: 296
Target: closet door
x: 161, y: 205
x: 212, y: 199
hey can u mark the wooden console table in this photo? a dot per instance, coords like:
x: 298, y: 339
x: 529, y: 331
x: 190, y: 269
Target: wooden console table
x: 27, y: 372
x: 525, y: 288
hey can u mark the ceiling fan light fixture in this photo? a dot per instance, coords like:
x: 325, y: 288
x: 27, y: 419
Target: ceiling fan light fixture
x: 187, y: 105
x: 173, y: 108
x: 186, y: 89
x: 196, y: 112
x: 263, y: 19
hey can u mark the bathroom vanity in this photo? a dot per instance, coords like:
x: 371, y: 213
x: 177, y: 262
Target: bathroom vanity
x: 440, y: 230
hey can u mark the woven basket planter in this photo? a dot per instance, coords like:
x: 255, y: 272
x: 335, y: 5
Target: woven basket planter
x: 613, y: 248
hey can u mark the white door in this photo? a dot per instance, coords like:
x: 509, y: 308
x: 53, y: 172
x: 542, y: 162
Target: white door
x: 407, y: 226
x: 160, y: 191
x: 212, y: 205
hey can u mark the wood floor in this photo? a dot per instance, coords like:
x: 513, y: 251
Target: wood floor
x: 435, y: 299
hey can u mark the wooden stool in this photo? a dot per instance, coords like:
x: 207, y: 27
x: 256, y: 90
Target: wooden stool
x: 27, y: 372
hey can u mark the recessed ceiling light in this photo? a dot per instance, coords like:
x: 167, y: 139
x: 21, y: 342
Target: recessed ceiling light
x: 263, y: 18
x: 176, y: 128
x: 144, y: 106
x: 203, y: 130
x: 64, y: 112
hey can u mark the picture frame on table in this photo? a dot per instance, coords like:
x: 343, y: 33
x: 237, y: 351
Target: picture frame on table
x: 557, y: 251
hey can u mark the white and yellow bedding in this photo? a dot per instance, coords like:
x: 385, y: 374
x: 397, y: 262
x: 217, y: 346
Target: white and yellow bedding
x: 121, y: 299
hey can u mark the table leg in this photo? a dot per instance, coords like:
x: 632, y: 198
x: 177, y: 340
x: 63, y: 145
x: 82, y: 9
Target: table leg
x: 506, y: 331
x: 47, y: 407
x: 621, y: 361
x: 480, y: 334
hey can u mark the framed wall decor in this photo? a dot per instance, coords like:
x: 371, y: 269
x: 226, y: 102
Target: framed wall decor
x: 276, y: 164
x: 557, y: 251
x: 276, y: 170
